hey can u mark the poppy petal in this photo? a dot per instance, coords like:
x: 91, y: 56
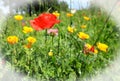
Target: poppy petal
x: 35, y: 26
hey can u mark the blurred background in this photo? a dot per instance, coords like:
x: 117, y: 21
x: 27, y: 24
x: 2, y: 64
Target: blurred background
x: 37, y: 6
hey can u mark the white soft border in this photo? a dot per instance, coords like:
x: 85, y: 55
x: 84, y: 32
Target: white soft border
x: 111, y: 73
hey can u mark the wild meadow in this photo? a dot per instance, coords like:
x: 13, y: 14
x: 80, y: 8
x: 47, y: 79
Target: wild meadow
x: 60, y: 46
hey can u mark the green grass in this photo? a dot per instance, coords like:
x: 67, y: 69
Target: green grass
x: 68, y: 61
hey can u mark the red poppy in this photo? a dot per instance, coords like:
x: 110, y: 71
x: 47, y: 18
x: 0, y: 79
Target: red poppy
x: 92, y: 49
x: 44, y: 21
x: 87, y: 50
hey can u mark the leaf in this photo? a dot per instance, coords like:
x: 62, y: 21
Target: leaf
x: 72, y: 77
x: 78, y: 65
x: 39, y: 62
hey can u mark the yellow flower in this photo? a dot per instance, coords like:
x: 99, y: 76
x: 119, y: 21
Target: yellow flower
x: 56, y: 13
x: 95, y: 51
x: 31, y: 40
x: 86, y: 18
x: 50, y: 53
x: 83, y: 35
x: 69, y: 14
x: 18, y: 17
x: 102, y: 47
x: 27, y: 29
x: 88, y: 46
x: 71, y: 29
x: 83, y: 26
x: 12, y: 39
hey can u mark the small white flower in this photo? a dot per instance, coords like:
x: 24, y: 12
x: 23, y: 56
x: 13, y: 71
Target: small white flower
x: 73, y: 11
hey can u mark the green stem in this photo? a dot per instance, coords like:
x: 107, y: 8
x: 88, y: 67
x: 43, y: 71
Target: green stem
x: 70, y: 26
x: 58, y: 42
x: 106, y: 38
x: 45, y: 36
x: 70, y: 17
x: 106, y: 21
x: 6, y: 28
x: 52, y: 41
x: 13, y: 57
x: 70, y: 46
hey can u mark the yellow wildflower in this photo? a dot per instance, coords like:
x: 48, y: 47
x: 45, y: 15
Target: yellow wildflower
x: 31, y: 40
x: 95, y: 51
x: 83, y: 35
x: 102, y: 47
x: 27, y: 29
x: 86, y: 18
x: 69, y: 14
x: 12, y: 39
x: 50, y: 53
x: 83, y: 26
x: 88, y: 46
x: 18, y: 17
x: 56, y: 13
x: 71, y: 29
